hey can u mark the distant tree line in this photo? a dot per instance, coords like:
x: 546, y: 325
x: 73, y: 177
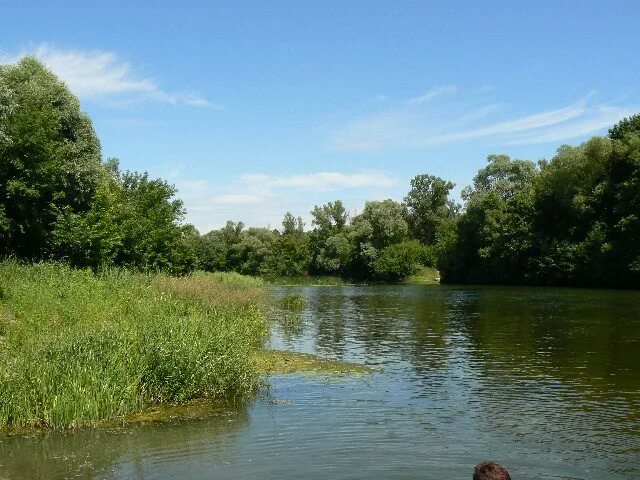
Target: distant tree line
x: 572, y: 220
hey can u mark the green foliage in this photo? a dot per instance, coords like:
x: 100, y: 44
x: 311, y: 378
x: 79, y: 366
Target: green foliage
x: 331, y: 250
x: 49, y: 157
x: 625, y: 127
x: 78, y: 348
x: 428, y: 207
x: 573, y: 221
x: 292, y: 301
x: 400, y: 260
x: 133, y: 221
x: 290, y: 253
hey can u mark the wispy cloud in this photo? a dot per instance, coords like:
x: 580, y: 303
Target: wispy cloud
x: 433, y: 93
x: 416, y: 124
x: 96, y: 74
x: 320, y: 181
x: 261, y: 199
x: 237, y: 199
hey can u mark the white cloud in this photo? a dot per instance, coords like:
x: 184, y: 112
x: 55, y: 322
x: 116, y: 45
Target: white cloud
x: 412, y: 127
x: 101, y: 74
x: 321, y: 180
x: 433, y: 93
x: 260, y: 199
x: 237, y: 199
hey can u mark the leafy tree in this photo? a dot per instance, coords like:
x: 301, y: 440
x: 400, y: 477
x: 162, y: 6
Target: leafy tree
x: 625, y: 127
x: 329, y: 218
x: 334, y: 255
x: 249, y: 255
x: 133, y: 221
x: 330, y: 249
x: 400, y: 260
x: 49, y: 157
x: 290, y: 253
x: 212, y: 251
x: 493, y: 238
x: 429, y: 207
x: 380, y: 224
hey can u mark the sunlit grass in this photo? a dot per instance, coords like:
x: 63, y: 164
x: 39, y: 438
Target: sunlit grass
x: 77, y: 348
x: 426, y: 276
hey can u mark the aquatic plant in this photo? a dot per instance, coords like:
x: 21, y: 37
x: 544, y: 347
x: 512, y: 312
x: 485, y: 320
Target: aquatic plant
x: 292, y: 301
x: 77, y: 348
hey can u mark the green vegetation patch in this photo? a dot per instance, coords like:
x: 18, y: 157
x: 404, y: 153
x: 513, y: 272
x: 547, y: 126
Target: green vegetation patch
x: 274, y: 362
x: 310, y: 280
x: 292, y: 301
x: 426, y: 276
x: 78, y: 348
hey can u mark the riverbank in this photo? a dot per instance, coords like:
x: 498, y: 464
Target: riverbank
x: 83, y: 349
x: 78, y: 348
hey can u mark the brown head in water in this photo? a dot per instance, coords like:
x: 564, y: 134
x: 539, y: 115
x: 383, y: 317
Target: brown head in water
x: 490, y: 471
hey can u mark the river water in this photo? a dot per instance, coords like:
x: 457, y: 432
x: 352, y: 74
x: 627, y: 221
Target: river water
x: 545, y: 381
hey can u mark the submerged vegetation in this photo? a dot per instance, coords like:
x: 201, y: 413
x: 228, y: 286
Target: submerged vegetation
x: 271, y: 362
x: 77, y: 348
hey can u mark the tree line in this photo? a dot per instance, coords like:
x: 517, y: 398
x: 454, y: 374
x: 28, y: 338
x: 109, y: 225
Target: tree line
x: 571, y: 220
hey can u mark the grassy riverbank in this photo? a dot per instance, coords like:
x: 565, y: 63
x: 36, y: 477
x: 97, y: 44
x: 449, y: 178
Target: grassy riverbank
x: 78, y: 348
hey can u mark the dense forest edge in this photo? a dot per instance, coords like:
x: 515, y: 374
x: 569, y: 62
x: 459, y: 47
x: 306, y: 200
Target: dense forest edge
x: 571, y: 220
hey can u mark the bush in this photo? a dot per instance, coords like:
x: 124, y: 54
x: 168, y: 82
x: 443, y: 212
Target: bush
x: 400, y: 260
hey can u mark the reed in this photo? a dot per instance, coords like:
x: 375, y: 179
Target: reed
x: 78, y: 348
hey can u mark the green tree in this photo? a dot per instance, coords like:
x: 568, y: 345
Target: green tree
x: 133, y: 221
x: 493, y: 239
x: 49, y: 157
x: 399, y: 260
x: 429, y: 207
x: 330, y: 249
x: 625, y: 127
x: 381, y: 223
x: 250, y: 254
x: 290, y: 254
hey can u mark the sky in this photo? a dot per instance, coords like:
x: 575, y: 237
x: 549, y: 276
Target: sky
x: 255, y: 108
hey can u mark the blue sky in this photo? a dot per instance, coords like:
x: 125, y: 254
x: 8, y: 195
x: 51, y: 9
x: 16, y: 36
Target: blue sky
x: 254, y: 108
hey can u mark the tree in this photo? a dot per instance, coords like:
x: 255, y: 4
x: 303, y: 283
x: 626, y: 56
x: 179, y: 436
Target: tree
x: 330, y: 250
x: 380, y: 224
x: 329, y: 218
x: 624, y: 127
x: 133, y: 221
x: 428, y: 206
x: 493, y: 238
x: 250, y: 254
x: 49, y: 157
x: 399, y: 260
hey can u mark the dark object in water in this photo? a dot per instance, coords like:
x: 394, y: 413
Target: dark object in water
x: 490, y: 471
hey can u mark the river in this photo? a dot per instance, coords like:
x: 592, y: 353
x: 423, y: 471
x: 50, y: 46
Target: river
x: 545, y: 381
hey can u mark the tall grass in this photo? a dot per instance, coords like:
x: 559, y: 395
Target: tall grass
x: 77, y: 348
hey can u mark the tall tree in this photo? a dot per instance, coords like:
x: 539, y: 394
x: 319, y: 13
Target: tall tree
x: 49, y: 157
x: 428, y: 206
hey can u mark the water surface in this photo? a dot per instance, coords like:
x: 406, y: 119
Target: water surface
x: 546, y: 381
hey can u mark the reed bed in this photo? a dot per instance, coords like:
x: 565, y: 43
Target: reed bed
x: 78, y: 348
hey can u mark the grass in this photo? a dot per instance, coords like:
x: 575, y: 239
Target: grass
x: 309, y: 280
x: 292, y: 301
x: 78, y: 348
x: 426, y: 276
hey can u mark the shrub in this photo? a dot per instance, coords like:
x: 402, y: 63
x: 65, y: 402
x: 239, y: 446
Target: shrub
x: 400, y: 260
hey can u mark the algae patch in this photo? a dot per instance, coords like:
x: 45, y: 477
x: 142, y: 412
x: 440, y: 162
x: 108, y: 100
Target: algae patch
x: 275, y: 362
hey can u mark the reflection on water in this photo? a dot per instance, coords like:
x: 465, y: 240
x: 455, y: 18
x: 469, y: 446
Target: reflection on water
x: 543, y: 380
